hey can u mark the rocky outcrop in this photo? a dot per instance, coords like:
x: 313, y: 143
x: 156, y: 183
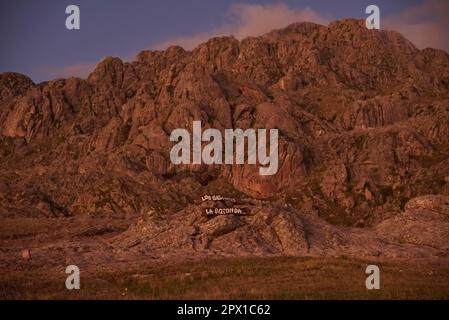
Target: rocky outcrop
x: 421, y: 231
x: 425, y: 222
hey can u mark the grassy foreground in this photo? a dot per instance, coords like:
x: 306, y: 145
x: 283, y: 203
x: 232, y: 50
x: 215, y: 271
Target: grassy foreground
x: 239, y: 278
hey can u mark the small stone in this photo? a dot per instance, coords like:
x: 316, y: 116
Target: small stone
x: 368, y: 195
x: 25, y: 254
x: 348, y: 202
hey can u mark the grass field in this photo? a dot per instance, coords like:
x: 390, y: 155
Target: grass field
x: 237, y: 278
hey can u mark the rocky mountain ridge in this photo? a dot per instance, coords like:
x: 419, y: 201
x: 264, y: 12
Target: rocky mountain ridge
x: 363, y: 118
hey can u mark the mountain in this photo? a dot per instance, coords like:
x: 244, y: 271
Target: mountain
x: 363, y: 121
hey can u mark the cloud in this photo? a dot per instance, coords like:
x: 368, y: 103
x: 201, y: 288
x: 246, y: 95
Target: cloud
x: 425, y: 25
x: 250, y: 20
x: 80, y: 70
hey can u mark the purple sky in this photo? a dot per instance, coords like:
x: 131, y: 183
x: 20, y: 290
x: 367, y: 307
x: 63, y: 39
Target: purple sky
x: 34, y: 40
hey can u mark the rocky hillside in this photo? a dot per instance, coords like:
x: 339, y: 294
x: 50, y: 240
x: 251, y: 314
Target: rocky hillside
x: 363, y: 118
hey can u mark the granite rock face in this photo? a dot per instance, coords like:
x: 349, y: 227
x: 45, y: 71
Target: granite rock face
x: 363, y: 120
